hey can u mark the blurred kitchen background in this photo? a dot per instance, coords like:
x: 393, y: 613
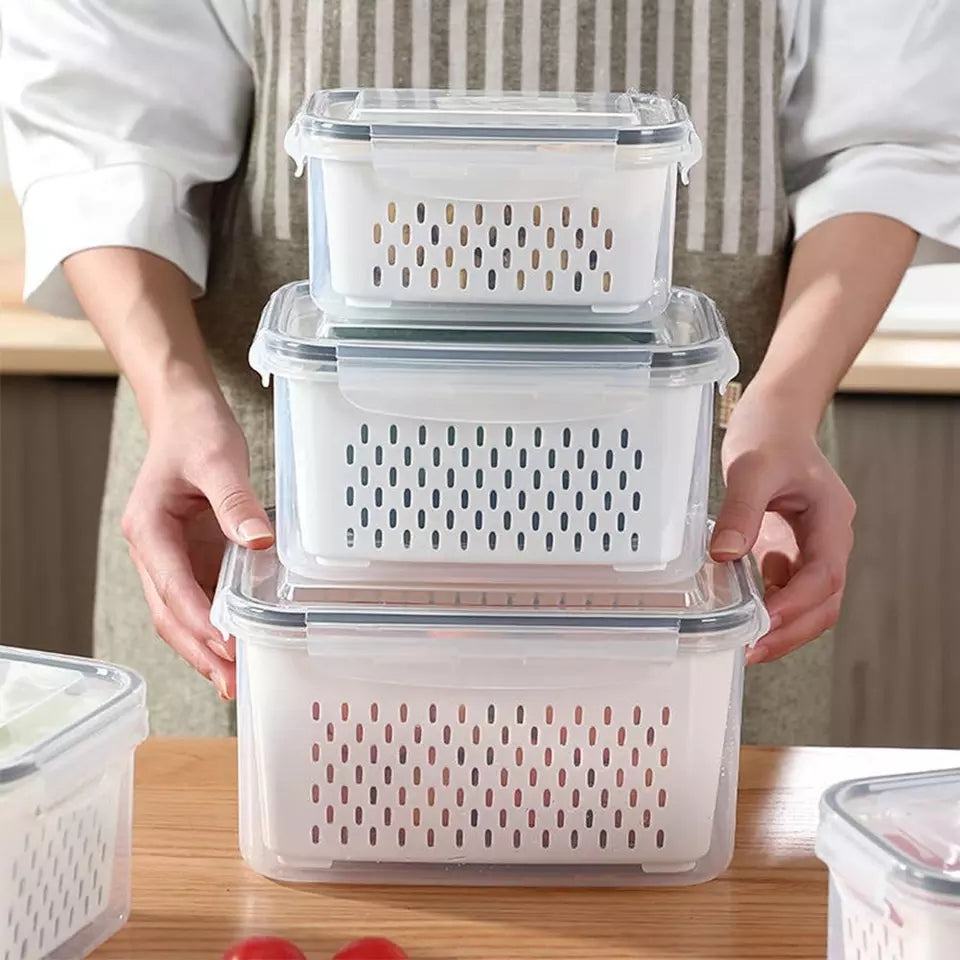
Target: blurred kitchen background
x: 897, y: 649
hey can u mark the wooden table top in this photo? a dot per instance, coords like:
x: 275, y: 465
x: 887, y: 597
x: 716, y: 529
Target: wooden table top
x: 193, y: 895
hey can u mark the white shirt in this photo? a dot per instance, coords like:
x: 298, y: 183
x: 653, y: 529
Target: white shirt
x: 119, y: 113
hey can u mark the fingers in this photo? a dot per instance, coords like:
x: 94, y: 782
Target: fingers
x: 775, y: 568
x: 776, y: 551
x: 198, y: 654
x: 193, y: 489
x: 825, y: 536
x: 749, y: 490
x: 814, y: 583
x: 227, y: 649
x: 157, y: 541
x: 238, y: 511
x: 793, y: 635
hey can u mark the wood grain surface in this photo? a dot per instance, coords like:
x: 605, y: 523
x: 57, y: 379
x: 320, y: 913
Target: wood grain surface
x: 896, y: 656
x: 31, y: 341
x: 36, y: 343
x: 54, y: 440
x: 193, y: 895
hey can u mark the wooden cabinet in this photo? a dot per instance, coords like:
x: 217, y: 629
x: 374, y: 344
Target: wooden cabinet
x: 54, y: 439
x: 897, y: 647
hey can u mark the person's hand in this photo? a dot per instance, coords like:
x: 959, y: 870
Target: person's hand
x: 786, y: 503
x: 192, y: 494
x: 193, y: 490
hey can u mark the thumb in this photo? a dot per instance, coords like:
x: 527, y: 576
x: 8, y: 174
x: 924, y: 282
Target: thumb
x: 238, y: 511
x: 738, y: 524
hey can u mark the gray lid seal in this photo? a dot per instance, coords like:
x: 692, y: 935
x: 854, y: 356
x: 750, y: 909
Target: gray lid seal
x: 50, y: 704
x: 720, y: 605
x: 630, y: 118
x: 687, y: 344
x: 901, y: 828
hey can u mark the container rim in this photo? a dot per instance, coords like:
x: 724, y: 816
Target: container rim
x: 627, y: 118
x: 904, y: 869
x: 234, y: 608
x: 127, y: 698
x: 278, y: 350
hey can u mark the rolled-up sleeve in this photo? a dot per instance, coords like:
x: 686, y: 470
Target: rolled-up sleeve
x: 872, y: 124
x: 119, y: 116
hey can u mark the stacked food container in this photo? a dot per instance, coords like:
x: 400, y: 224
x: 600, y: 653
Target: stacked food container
x: 489, y: 646
x: 893, y: 848
x: 68, y: 731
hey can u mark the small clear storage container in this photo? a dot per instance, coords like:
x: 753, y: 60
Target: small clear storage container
x: 893, y: 848
x: 548, y: 199
x: 514, y: 736
x: 491, y: 444
x: 68, y: 731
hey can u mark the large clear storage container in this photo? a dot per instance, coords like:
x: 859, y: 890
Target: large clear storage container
x: 893, y: 848
x: 517, y: 736
x: 68, y: 731
x: 492, y: 444
x: 549, y: 199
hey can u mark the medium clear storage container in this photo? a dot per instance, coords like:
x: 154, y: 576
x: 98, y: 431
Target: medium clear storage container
x: 893, y: 848
x: 68, y: 731
x: 549, y: 199
x: 492, y: 444
x: 516, y: 736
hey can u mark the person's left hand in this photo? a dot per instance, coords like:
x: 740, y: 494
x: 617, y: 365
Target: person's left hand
x: 785, y: 502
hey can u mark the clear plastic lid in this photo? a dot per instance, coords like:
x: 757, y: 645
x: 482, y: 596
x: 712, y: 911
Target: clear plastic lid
x: 49, y: 703
x: 904, y: 828
x: 686, y: 344
x: 630, y: 118
x: 718, y: 607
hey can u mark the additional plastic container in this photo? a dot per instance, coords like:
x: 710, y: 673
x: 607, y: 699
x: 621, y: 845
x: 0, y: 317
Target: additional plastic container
x: 477, y: 736
x: 893, y: 848
x: 68, y: 731
x: 480, y: 198
x: 491, y: 445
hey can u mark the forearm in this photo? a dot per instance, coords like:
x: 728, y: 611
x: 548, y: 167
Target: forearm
x: 141, y: 306
x: 842, y: 276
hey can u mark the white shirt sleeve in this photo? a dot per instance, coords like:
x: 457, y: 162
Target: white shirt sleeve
x: 119, y: 115
x: 872, y: 119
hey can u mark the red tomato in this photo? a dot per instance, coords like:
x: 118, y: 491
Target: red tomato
x: 371, y: 948
x: 264, y: 948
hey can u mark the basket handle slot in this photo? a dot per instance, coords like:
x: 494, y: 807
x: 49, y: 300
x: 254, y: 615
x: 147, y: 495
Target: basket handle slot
x: 468, y: 657
x: 474, y: 391
x: 493, y: 173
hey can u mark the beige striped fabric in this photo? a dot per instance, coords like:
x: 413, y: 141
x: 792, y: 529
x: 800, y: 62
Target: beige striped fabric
x: 707, y: 52
x: 722, y: 57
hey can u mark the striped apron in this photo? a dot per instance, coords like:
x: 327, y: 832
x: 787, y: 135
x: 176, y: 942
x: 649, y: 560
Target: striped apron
x: 724, y: 59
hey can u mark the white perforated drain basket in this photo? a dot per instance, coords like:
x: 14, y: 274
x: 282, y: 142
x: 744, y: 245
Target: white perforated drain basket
x: 68, y: 730
x: 550, y: 199
x: 466, y: 736
x: 893, y: 848
x: 491, y: 445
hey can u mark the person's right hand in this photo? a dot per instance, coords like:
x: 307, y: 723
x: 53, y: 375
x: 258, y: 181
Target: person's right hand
x: 192, y: 494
